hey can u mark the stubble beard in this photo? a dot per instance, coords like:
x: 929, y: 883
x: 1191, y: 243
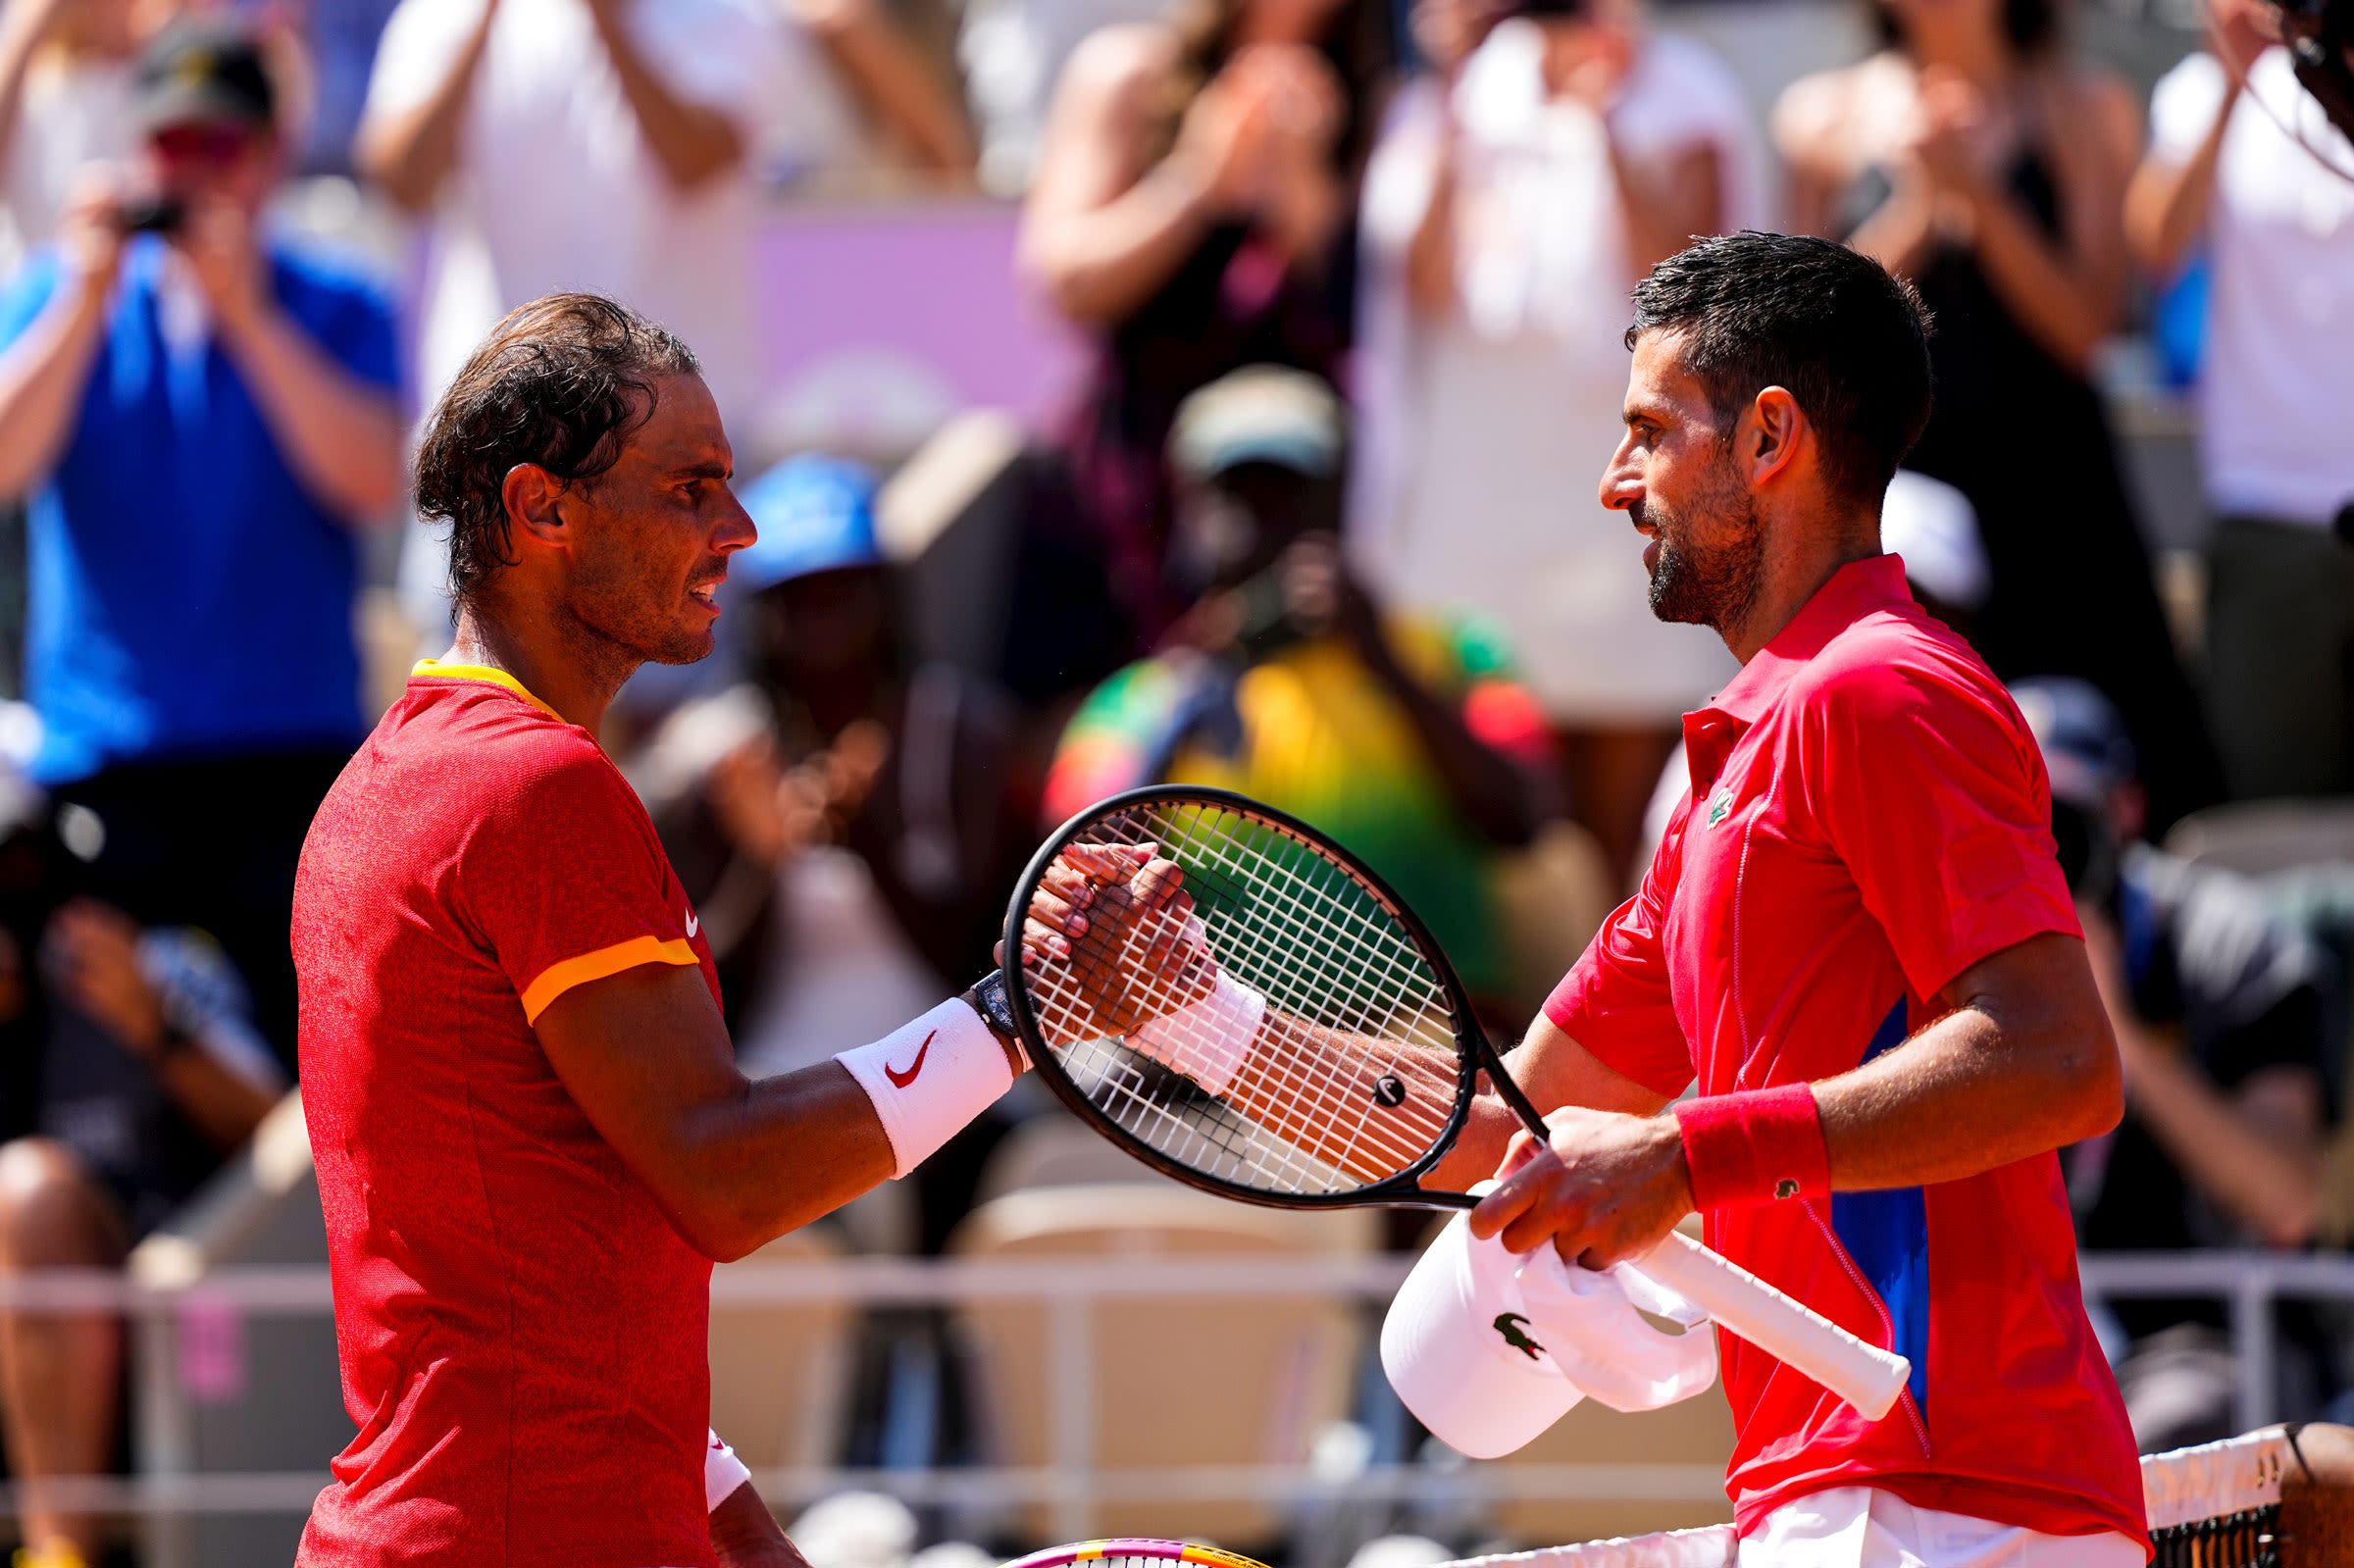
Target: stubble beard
x: 618, y: 620
x: 1714, y: 585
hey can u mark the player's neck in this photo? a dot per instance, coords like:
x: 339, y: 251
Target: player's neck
x: 1798, y: 562
x: 576, y: 682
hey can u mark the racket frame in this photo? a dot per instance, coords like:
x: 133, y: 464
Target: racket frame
x: 1173, y: 1552
x: 1474, y: 1052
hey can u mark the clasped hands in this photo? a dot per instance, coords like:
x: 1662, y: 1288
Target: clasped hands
x: 1109, y: 942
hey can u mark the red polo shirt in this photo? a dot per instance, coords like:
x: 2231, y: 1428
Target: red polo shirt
x: 523, y: 1335
x: 1868, y: 817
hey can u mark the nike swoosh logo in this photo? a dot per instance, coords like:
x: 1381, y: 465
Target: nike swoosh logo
x: 694, y: 923
x: 901, y: 1079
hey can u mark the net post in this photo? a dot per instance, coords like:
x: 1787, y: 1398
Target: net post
x: 2317, y: 1498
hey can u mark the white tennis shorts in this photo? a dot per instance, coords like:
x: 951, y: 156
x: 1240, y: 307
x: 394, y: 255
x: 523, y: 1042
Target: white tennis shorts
x: 1863, y: 1527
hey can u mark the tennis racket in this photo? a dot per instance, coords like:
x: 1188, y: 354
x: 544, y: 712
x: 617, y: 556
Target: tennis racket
x: 1135, y: 1553
x: 1286, y: 1033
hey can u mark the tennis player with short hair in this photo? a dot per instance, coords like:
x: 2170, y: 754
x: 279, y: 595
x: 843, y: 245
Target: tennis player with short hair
x: 1855, y: 935
x: 531, y: 1134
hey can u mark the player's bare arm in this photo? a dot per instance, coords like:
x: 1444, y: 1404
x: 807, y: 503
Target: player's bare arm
x: 733, y: 1162
x: 2023, y: 1061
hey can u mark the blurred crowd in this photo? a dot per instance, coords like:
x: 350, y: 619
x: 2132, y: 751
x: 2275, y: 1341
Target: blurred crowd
x: 1318, y: 522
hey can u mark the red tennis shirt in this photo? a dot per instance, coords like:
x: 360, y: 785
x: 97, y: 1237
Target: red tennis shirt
x: 523, y: 1335
x: 1868, y: 817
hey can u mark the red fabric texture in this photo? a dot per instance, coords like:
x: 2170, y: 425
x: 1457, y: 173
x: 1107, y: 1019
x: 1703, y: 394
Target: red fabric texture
x: 1753, y: 1146
x: 1868, y: 817
x: 523, y: 1335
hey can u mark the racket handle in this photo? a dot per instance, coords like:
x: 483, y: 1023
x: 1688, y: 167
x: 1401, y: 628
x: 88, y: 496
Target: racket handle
x: 1783, y: 1326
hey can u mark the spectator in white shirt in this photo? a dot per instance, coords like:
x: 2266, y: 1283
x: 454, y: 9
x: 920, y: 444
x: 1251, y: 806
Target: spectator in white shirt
x: 2238, y: 160
x: 64, y: 104
x: 617, y: 147
x: 605, y: 145
x: 1515, y: 196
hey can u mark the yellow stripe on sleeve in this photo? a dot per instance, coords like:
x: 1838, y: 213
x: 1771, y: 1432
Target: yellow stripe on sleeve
x: 558, y: 977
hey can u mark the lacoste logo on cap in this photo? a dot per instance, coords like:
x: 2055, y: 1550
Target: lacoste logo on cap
x: 1508, y: 1324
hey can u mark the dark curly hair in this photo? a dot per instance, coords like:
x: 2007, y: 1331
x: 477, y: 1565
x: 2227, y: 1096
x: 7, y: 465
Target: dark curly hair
x: 1847, y: 340
x: 561, y: 382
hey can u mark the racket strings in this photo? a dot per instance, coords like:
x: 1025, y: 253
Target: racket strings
x: 1352, y: 1076
x: 1296, y: 1089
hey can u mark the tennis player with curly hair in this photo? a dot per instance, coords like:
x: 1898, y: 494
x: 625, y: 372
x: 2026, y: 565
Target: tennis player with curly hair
x: 532, y: 1137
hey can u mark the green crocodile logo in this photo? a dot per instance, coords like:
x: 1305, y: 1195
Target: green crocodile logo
x: 1508, y: 1324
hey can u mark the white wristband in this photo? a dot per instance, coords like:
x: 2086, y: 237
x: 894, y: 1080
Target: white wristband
x: 929, y: 1077
x: 723, y: 1473
x: 1207, y: 1041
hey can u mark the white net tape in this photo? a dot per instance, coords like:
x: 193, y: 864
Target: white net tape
x: 2214, y: 1481
x: 1351, y: 1075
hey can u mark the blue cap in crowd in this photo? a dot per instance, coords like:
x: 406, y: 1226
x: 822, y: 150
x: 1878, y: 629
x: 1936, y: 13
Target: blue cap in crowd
x: 815, y: 514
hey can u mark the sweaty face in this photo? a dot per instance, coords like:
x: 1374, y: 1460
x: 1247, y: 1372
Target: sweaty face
x: 651, y: 536
x: 1675, y: 477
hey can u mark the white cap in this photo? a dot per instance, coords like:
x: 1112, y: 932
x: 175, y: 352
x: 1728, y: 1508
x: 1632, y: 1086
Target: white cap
x: 1589, y: 1325
x: 1457, y: 1349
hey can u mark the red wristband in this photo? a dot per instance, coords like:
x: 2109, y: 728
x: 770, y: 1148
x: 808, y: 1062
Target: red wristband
x: 1753, y: 1146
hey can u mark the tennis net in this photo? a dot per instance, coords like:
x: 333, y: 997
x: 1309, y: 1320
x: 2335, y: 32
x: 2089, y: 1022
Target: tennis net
x: 2212, y: 1506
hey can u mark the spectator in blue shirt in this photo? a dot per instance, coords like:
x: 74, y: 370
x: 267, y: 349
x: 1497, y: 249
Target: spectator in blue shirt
x: 202, y: 418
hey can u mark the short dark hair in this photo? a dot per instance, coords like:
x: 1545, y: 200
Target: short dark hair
x: 561, y: 382
x: 1850, y: 342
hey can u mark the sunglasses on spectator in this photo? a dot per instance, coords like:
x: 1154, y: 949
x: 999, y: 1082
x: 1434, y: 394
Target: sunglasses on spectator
x: 214, y: 146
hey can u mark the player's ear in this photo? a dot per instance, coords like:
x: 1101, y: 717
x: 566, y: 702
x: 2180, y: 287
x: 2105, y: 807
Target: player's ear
x: 1772, y: 431
x: 530, y: 492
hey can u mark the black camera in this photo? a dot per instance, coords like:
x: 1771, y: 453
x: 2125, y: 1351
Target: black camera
x: 152, y: 215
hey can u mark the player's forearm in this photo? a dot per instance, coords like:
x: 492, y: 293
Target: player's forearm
x: 1370, y: 1106
x: 2025, y: 1063
x: 743, y: 1170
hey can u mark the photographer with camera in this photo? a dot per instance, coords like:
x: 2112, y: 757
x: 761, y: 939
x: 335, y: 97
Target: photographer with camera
x: 1404, y: 737
x: 2244, y: 162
